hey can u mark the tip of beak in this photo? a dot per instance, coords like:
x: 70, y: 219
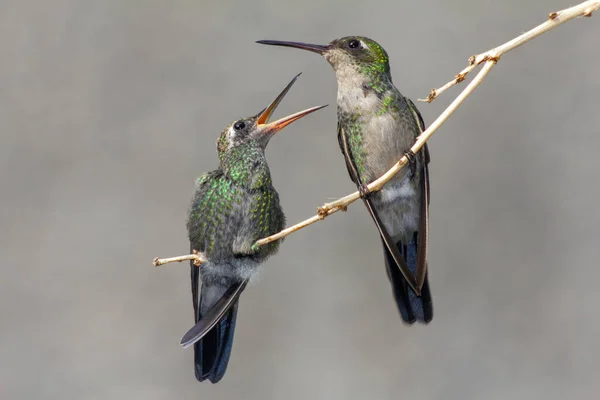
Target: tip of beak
x: 264, y: 115
x: 278, y: 125
x: 315, y: 48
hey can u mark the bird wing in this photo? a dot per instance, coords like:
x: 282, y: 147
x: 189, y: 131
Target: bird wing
x: 214, y: 314
x: 202, y: 187
x: 423, y: 235
x: 342, y: 141
x: 387, y: 239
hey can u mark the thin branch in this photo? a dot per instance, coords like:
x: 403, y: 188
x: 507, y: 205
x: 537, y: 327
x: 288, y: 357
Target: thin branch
x: 584, y: 9
x: 489, y: 58
x: 196, y: 256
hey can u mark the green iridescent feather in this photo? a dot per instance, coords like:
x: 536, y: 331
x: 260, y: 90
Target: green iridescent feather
x: 237, y: 200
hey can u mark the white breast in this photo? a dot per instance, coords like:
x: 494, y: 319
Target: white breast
x: 352, y: 98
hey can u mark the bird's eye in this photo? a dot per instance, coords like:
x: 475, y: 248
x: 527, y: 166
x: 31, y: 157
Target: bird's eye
x: 239, y: 126
x: 353, y: 44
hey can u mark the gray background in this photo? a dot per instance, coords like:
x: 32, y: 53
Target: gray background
x: 110, y: 110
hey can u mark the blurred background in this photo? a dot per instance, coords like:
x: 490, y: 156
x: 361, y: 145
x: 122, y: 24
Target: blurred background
x: 110, y: 110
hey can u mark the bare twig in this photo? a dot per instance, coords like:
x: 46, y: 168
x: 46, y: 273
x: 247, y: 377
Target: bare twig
x: 584, y: 9
x: 196, y: 256
x: 489, y: 59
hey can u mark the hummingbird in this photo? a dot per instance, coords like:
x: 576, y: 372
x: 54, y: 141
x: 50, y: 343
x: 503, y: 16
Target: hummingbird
x: 377, y: 125
x: 232, y: 207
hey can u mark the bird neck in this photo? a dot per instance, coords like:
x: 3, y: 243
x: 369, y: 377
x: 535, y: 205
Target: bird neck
x: 366, y: 94
x: 377, y: 80
x: 246, y: 165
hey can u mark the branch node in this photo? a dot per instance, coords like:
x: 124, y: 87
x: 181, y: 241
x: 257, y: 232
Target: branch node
x: 431, y: 97
x: 460, y: 77
x: 156, y: 262
x: 588, y: 12
x: 493, y: 59
x: 322, y: 212
x: 553, y: 15
x: 472, y: 59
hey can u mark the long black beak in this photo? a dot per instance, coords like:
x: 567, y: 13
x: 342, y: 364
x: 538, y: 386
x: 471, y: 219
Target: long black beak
x: 315, y: 48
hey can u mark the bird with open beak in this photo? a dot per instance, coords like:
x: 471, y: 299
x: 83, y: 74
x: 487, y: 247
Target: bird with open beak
x: 233, y: 206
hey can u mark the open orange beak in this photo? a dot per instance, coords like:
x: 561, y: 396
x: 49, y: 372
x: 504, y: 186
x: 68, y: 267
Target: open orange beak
x: 268, y: 129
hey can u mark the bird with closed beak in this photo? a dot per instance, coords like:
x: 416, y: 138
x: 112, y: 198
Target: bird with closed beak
x: 377, y: 125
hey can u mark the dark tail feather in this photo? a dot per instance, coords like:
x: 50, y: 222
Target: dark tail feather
x: 212, y: 335
x: 412, y: 307
x: 211, y: 353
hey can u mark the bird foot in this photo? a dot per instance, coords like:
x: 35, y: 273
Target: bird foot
x: 412, y: 163
x: 197, y: 262
x: 364, y: 191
